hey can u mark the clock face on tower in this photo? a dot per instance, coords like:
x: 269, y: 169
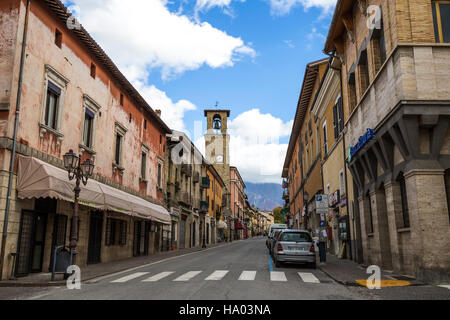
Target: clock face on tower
x: 219, y: 159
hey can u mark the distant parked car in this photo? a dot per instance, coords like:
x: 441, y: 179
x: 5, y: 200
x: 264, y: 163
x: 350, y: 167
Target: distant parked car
x: 272, y: 241
x: 294, y: 246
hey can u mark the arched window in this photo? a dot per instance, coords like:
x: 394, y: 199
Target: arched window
x: 404, y: 197
x: 217, y: 122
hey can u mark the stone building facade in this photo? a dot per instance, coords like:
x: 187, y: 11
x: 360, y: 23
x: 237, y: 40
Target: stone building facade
x: 73, y: 98
x: 394, y: 58
x: 238, y: 197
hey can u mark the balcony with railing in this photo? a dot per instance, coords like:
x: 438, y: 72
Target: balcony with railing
x: 205, y: 183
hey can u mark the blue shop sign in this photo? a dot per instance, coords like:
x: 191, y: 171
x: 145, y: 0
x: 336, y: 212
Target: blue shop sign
x: 362, y: 141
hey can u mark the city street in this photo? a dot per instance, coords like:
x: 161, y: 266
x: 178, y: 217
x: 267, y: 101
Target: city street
x: 241, y: 270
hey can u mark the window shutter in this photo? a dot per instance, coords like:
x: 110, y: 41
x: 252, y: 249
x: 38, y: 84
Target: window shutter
x: 341, y: 115
x: 335, y: 122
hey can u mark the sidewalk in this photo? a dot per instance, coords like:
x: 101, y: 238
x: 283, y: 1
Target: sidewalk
x: 102, y: 269
x: 347, y: 272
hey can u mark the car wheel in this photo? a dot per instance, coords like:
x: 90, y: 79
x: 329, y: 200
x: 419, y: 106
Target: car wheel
x: 277, y: 263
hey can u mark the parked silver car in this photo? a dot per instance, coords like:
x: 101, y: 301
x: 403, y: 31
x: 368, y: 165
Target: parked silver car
x: 294, y: 246
x: 271, y: 240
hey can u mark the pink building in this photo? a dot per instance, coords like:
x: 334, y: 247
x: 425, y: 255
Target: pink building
x: 73, y: 98
x: 238, y: 197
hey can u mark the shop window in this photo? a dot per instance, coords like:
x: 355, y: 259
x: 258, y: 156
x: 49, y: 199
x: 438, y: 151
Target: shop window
x: 116, y: 232
x: 58, y: 38
x: 441, y: 19
x: 404, y: 198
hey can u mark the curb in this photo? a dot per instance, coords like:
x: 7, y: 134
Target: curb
x: 343, y: 282
x: 63, y: 283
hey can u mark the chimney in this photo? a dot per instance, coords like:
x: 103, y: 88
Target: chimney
x: 158, y: 112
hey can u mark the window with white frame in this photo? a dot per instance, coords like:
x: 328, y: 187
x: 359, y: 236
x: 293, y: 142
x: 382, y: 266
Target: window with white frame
x: 144, y: 156
x: 325, y: 141
x: 119, y: 141
x: 160, y: 173
x: 91, y: 109
x: 52, y: 110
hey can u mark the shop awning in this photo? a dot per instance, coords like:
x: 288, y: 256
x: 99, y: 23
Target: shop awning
x: 221, y: 224
x: 38, y: 179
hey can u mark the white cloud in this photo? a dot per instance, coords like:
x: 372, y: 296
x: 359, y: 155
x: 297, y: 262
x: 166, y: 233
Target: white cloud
x: 144, y: 34
x: 255, y: 147
x: 282, y: 7
x: 172, y: 113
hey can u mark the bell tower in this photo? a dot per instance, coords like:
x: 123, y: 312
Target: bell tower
x: 217, y: 142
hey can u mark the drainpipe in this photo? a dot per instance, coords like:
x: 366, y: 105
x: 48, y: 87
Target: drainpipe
x: 344, y: 150
x: 16, y: 129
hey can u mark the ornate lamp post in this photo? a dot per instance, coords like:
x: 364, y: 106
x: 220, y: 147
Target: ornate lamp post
x: 81, y: 172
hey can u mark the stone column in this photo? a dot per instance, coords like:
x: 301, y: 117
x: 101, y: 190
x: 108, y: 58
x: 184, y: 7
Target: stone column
x: 429, y: 220
x: 394, y: 212
x: 381, y: 250
x: 364, y: 219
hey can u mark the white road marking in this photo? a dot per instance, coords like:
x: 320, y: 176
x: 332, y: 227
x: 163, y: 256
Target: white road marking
x: 217, y: 275
x: 308, y: 277
x: 158, y: 276
x: 277, y: 276
x: 130, y: 277
x: 247, y: 276
x: 188, y: 275
x: 445, y: 286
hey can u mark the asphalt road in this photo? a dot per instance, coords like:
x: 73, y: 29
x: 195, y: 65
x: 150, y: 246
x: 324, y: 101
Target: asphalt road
x: 242, y: 270
x: 239, y: 271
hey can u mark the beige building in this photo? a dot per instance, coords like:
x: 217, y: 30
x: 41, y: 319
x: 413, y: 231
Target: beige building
x: 394, y: 58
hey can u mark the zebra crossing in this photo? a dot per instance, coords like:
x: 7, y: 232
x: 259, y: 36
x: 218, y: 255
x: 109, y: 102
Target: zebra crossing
x: 247, y: 275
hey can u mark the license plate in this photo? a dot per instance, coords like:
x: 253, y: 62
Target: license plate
x: 296, y: 249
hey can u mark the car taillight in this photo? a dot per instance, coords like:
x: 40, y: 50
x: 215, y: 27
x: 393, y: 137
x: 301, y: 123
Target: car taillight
x: 312, y: 249
x: 280, y: 247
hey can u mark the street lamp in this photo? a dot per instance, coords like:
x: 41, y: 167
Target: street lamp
x: 81, y: 172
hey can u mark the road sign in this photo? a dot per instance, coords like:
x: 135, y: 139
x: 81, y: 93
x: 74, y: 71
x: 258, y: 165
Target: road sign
x: 321, y: 203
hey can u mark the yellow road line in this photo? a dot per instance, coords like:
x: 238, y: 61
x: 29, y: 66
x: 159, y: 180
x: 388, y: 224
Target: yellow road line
x: 387, y: 283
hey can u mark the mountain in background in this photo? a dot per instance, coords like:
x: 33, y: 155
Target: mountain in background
x: 265, y: 196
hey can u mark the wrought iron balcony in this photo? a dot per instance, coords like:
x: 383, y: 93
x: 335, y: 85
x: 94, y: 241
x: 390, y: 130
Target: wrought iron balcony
x: 205, y: 183
x: 204, y: 206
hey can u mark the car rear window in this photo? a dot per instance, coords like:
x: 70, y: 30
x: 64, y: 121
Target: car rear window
x: 295, y: 237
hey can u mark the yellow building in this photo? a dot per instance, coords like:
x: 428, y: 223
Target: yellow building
x: 329, y: 112
x: 214, y: 196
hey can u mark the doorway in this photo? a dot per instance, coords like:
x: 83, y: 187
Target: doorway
x: 59, y: 235
x: 141, y: 238
x: 95, y: 238
x: 31, y: 243
x: 182, y: 233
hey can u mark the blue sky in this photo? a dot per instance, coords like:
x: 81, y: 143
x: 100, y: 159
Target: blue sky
x: 250, y: 56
